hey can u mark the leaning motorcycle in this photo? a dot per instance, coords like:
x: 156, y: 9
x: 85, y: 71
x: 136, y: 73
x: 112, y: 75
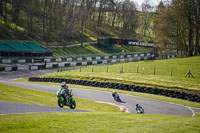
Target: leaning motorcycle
x: 116, y: 97
x: 139, y: 110
x: 64, y: 100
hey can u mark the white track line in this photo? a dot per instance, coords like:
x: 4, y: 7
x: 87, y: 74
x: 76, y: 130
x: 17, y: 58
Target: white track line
x: 191, y: 110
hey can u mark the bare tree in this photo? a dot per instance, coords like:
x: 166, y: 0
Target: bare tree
x: 4, y: 11
x: 29, y: 16
x: 129, y: 17
x: 16, y: 8
x: 146, y: 18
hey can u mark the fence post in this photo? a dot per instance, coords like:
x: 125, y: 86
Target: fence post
x: 121, y: 71
x: 137, y: 69
x: 80, y: 68
x: 171, y: 71
x: 154, y: 70
x: 92, y: 68
x: 107, y: 67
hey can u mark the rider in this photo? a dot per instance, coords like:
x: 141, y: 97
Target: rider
x: 138, y: 108
x: 66, y: 89
x: 114, y: 94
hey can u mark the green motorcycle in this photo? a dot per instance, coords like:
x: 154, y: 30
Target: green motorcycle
x: 65, y: 100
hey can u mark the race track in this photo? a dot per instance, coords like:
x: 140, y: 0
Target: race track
x: 18, y: 108
x: 150, y: 106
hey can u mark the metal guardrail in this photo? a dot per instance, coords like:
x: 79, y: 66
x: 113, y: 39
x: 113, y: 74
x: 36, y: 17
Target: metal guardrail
x: 8, y: 68
x: 73, y: 58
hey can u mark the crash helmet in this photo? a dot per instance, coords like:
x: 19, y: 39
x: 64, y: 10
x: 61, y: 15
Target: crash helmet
x: 137, y: 105
x: 63, y: 84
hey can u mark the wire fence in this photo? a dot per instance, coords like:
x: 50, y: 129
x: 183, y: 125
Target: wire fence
x: 172, y: 71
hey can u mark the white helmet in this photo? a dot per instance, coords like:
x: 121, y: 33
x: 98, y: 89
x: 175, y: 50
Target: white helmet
x: 63, y: 84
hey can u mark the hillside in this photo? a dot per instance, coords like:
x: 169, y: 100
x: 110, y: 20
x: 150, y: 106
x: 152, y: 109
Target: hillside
x: 38, y: 21
x: 93, y: 49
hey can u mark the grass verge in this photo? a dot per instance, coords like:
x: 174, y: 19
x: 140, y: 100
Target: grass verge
x: 95, y: 122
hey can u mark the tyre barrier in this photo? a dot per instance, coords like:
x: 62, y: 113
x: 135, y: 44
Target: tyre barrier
x: 119, y: 86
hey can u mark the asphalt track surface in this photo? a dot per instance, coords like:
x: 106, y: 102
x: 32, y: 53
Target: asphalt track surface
x: 18, y: 108
x: 150, y: 106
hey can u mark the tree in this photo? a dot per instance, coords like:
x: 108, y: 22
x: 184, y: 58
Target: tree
x: 177, y: 24
x: 16, y: 8
x: 146, y: 18
x: 196, y: 5
x: 129, y: 18
x: 4, y: 10
x: 29, y: 17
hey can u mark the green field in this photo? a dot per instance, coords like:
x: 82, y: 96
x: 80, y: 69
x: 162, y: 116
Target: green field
x: 145, y: 75
x: 95, y: 122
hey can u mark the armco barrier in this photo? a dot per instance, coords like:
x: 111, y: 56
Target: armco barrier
x: 72, y: 59
x: 8, y: 68
x: 119, y: 86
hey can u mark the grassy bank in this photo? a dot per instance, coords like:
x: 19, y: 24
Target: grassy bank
x: 145, y: 95
x: 98, y: 123
x: 93, y: 49
x: 145, y: 75
x: 28, y: 96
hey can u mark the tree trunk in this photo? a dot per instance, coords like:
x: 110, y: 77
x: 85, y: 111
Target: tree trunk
x: 197, y: 48
x: 44, y: 19
x: 190, y: 38
x: 5, y: 12
x: 100, y: 13
x: 29, y: 16
x: 16, y: 8
x: 82, y: 12
x: 1, y: 8
x: 113, y: 21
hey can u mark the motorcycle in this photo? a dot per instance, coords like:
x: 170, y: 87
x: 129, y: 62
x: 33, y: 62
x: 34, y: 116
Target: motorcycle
x: 139, y: 109
x: 65, y: 100
x: 116, y: 97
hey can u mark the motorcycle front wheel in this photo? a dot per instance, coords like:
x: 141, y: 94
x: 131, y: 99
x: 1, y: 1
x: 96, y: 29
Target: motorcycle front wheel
x: 73, y: 105
x: 60, y: 103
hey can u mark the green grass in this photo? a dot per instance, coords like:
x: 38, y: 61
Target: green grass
x: 93, y: 49
x: 28, y: 96
x: 145, y: 95
x: 98, y: 123
x: 145, y: 75
x: 88, y: 122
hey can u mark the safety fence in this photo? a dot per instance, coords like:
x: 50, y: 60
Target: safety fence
x: 8, y: 68
x: 127, y: 87
x: 142, y: 56
x: 90, y: 61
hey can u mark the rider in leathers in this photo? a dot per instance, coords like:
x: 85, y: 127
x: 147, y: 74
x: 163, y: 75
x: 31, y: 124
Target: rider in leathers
x: 66, y: 90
